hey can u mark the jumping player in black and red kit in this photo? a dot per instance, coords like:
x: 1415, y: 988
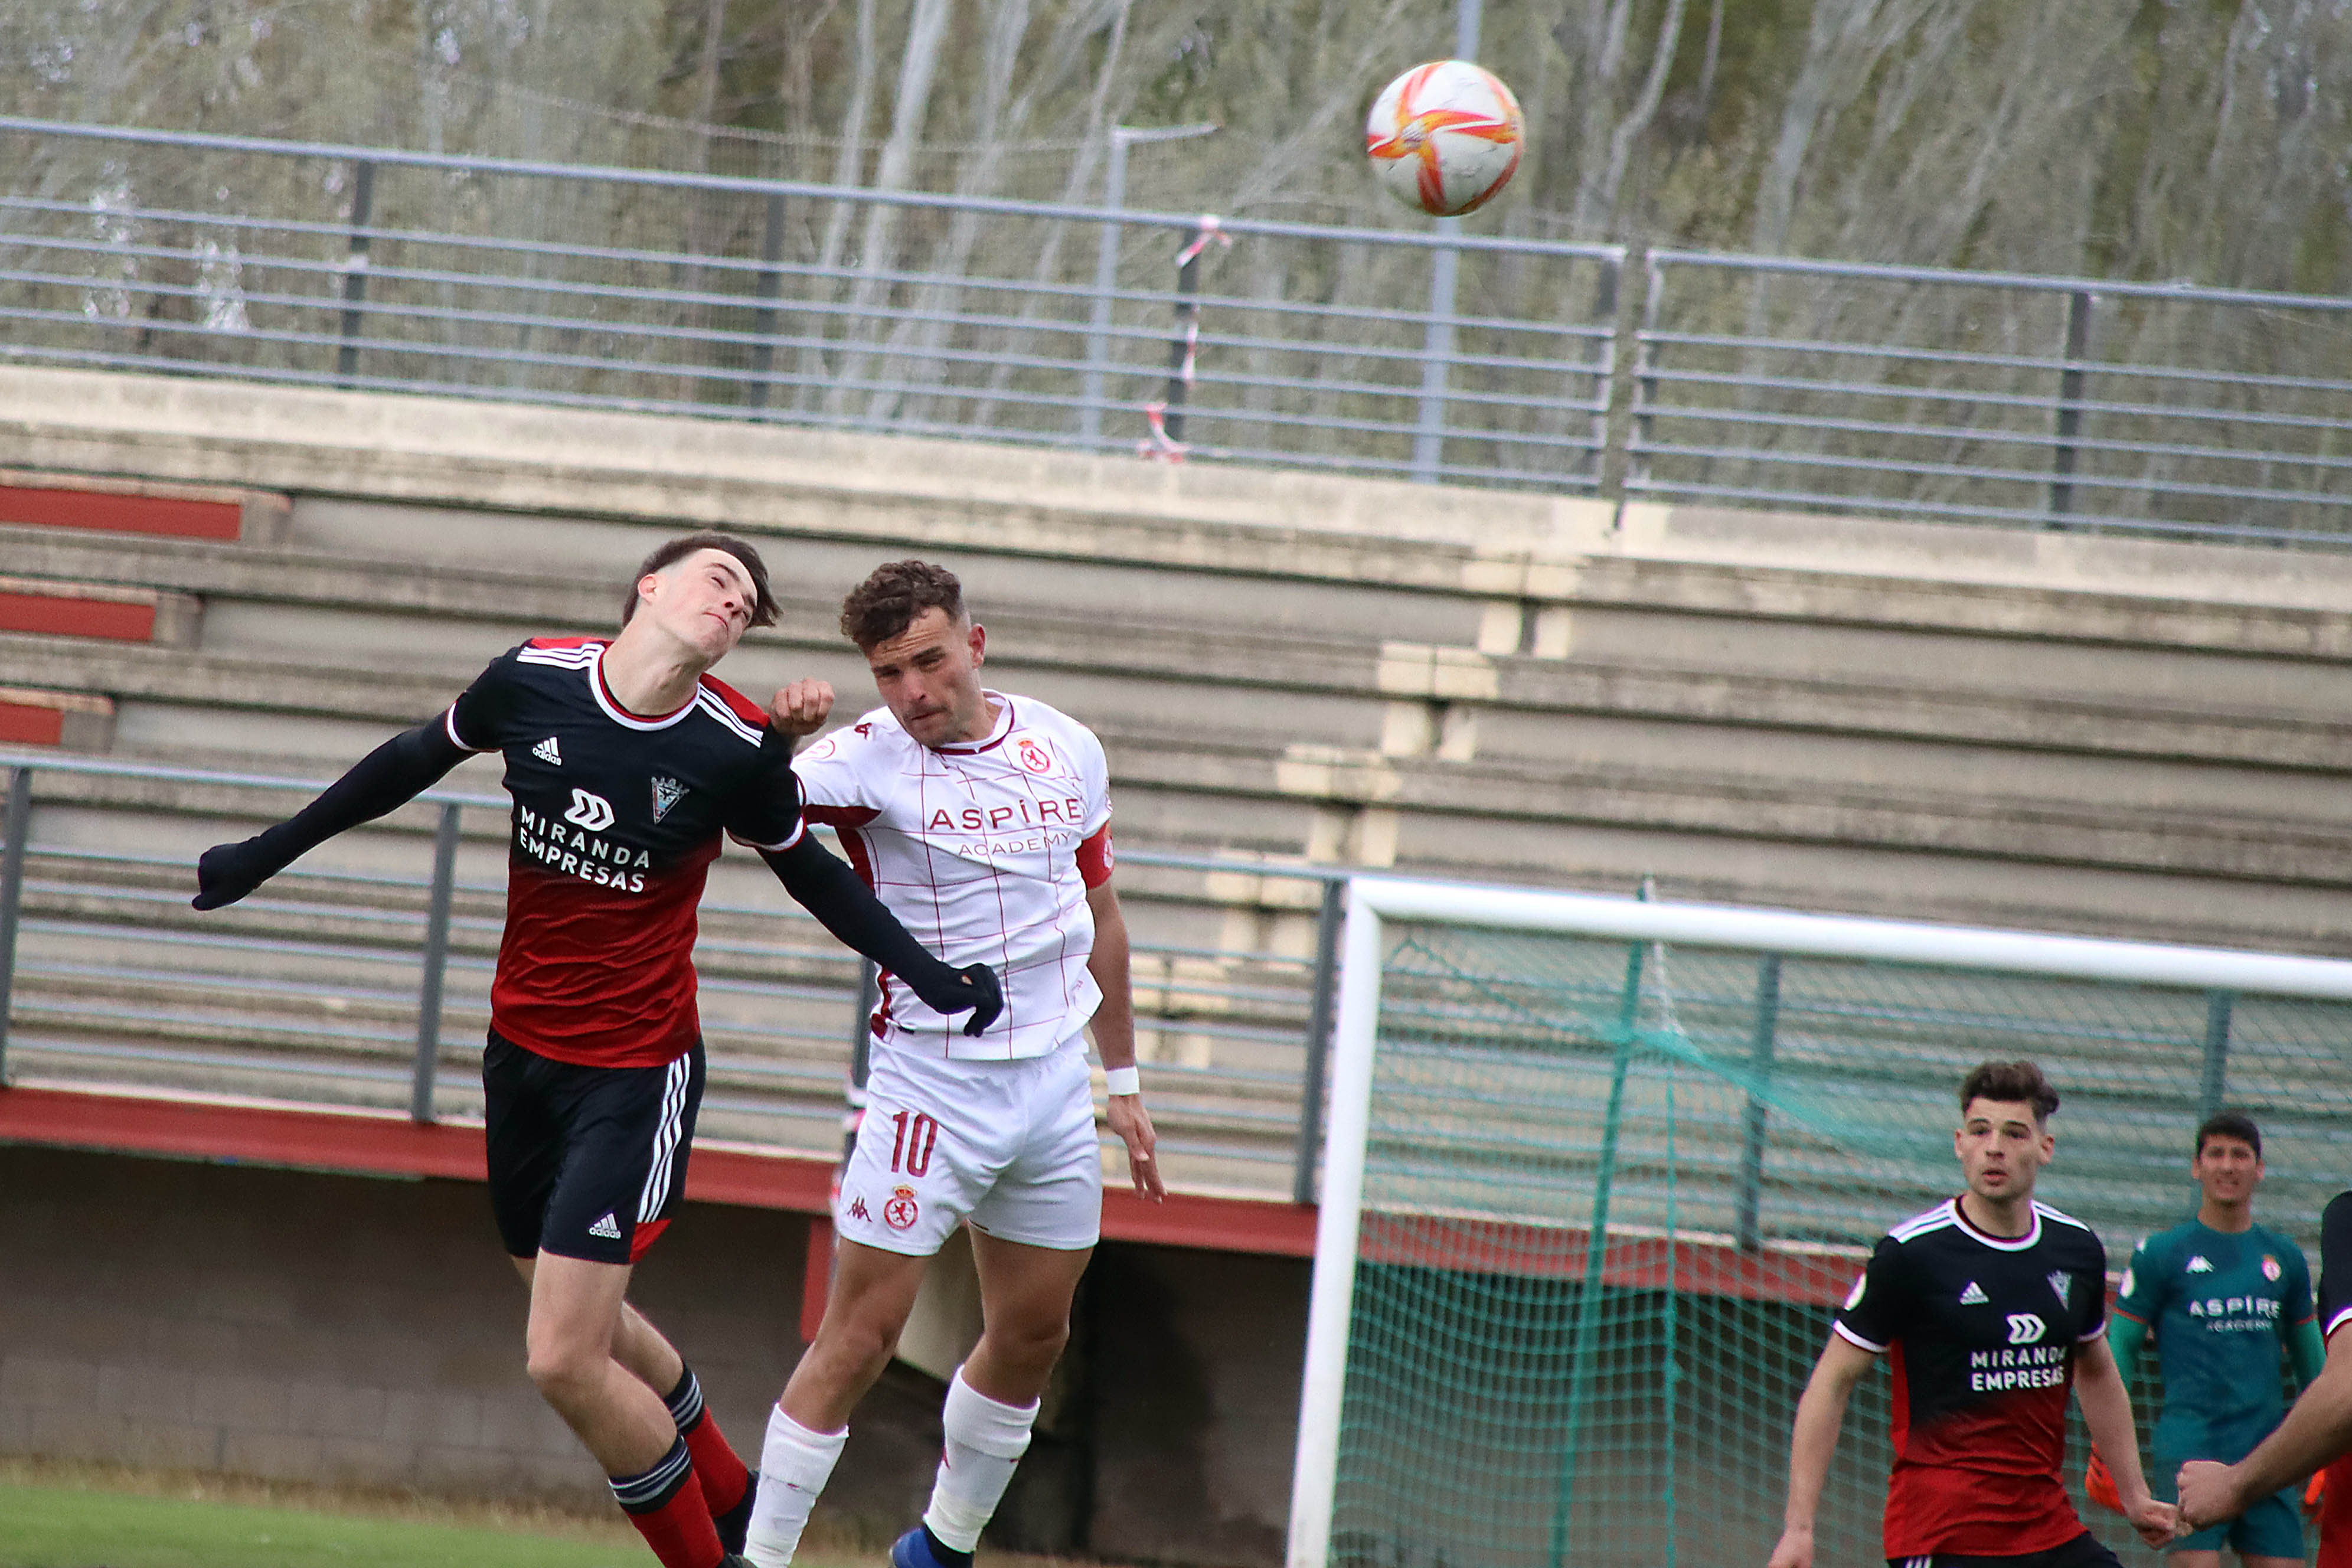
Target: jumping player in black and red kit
x: 626, y: 761
x: 1989, y: 1306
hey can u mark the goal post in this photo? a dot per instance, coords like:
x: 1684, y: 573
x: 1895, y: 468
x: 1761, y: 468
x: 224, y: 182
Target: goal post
x: 1597, y: 1170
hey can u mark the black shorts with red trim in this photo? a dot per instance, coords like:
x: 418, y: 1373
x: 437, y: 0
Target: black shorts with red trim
x: 586, y: 1162
x: 2084, y: 1552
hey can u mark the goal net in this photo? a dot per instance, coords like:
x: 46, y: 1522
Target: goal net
x: 1598, y: 1171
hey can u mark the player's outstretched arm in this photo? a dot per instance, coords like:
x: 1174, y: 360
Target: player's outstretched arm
x: 2316, y: 1431
x: 848, y: 908
x: 1114, y: 1031
x: 2107, y: 1412
x: 1811, y: 1443
x: 392, y: 776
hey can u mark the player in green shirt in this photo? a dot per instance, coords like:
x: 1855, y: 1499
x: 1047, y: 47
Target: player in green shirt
x: 2223, y: 1295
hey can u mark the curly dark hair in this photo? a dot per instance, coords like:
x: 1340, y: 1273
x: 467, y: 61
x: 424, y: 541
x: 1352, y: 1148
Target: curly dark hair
x: 887, y: 602
x: 764, y: 608
x: 2010, y: 1082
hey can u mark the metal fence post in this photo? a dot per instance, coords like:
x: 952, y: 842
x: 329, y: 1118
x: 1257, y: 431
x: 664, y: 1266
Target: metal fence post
x: 1327, y: 923
x: 2069, y: 425
x: 2218, y: 1006
x: 1635, y: 299
x: 436, y: 964
x: 770, y: 289
x: 1747, y: 1226
x: 12, y: 895
x: 355, y: 269
x: 1090, y: 408
x: 1436, y: 357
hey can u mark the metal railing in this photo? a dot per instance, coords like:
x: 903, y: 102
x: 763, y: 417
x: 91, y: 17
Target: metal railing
x: 371, y: 987
x: 1589, y: 369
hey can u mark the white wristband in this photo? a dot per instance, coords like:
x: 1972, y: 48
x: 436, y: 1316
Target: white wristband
x: 1124, y: 1080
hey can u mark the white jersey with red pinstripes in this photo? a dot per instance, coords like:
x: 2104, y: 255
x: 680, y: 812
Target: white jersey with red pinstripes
x: 984, y: 851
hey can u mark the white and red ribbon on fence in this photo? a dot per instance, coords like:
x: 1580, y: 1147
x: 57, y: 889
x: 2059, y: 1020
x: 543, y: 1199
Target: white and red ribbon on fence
x: 1161, y: 446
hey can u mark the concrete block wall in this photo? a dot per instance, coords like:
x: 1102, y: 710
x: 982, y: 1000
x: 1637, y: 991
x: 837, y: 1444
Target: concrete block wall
x: 342, y: 1329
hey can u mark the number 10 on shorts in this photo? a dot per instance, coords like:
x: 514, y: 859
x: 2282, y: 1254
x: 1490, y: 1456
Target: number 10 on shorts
x: 910, y: 1151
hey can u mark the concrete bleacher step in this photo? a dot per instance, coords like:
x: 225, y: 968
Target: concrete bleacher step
x: 93, y: 504
x: 70, y: 721
x: 43, y: 608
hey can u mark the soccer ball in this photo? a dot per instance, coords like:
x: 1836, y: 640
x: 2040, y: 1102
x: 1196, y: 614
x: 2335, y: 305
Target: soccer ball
x: 1445, y: 136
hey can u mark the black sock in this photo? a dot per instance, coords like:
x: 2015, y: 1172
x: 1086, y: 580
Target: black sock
x: 684, y: 1401
x: 947, y: 1556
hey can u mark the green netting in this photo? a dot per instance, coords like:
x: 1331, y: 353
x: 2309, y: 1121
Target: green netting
x: 1741, y: 1129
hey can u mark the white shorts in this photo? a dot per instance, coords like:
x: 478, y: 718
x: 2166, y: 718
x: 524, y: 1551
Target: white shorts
x: 1009, y: 1146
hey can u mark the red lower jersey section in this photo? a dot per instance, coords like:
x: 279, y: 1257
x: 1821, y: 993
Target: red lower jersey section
x: 1984, y: 1481
x: 598, y: 974
x: 2335, y: 1516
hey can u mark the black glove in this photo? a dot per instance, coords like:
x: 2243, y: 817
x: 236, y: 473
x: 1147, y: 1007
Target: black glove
x: 226, y: 872
x: 974, y: 987
x: 393, y: 775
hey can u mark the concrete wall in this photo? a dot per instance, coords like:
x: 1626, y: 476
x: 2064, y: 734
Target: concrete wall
x: 343, y: 1329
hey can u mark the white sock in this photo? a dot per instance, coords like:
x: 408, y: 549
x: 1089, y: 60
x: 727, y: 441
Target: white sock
x: 794, y: 1464
x: 986, y: 1440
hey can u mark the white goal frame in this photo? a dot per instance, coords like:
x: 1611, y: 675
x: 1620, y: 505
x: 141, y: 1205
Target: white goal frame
x: 1374, y: 900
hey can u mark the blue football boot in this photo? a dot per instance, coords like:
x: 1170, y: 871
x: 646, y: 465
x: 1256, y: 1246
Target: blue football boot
x: 916, y: 1549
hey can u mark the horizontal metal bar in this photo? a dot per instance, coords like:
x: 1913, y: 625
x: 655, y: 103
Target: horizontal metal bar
x: 1665, y: 259
x: 1880, y: 505
x: 2104, y: 370
x: 2040, y: 404
x: 2043, y: 439
x: 1185, y: 223
x: 2169, y: 484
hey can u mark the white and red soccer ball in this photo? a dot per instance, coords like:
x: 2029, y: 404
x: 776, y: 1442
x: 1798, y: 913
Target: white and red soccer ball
x: 1445, y: 136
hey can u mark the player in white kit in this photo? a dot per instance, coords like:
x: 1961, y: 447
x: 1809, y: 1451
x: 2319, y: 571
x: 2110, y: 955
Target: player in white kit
x: 983, y: 821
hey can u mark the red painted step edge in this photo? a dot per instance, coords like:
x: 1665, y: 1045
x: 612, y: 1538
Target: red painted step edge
x: 178, y: 517
x: 64, y: 615
x: 31, y: 724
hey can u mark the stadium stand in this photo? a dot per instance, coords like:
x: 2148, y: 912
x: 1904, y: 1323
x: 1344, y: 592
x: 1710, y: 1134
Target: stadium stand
x: 2106, y: 736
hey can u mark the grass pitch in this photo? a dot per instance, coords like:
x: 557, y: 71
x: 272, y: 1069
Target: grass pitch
x: 56, y: 1515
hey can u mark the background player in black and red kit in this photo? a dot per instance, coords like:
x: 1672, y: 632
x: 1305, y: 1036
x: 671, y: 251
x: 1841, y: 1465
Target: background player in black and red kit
x: 2316, y: 1432
x: 626, y: 761
x: 1991, y: 1305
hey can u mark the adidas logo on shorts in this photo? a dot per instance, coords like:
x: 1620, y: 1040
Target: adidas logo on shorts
x: 547, y: 750
x: 606, y: 1227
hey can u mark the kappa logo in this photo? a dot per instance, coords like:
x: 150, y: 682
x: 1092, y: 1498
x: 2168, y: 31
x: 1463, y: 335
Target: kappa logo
x: 857, y: 1209
x: 2197, y: 1264
x: 1974, y: 1296
x: 2064, y: 1284
x: 548, y: 752
x: 607, y: 1228
x: 2024, y: 1327
x: 1034, y: 756
x: 901, y: 1212
x: 592, y: 811
x: 665, y: 794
